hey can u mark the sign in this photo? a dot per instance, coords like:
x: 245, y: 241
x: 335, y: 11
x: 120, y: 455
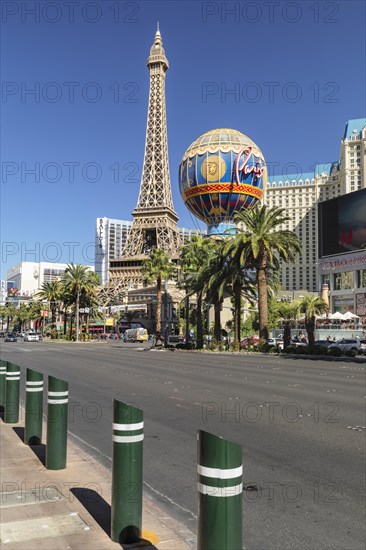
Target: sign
x: 361, y: 304
x: 101, y: 227
x: 351, y: 261
x: 2, y: 291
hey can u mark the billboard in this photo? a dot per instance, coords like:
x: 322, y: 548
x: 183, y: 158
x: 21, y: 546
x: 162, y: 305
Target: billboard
x: 342, y: 224
x: 11, y: 289
x: 361, y: 304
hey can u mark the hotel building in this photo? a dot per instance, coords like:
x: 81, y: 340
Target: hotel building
x: 300, y: 195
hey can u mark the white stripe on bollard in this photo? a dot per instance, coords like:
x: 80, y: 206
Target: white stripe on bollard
x: 127, y: 438
x: 12, y: 377
x: 127, y: 427
x: 220, y: 491
x: 218, y: 473
x: 40, y: 383
x: 57, y: 393
x: 57, y: 401
x: 33, y: 389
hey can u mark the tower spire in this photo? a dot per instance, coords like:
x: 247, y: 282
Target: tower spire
x: 154, y: 218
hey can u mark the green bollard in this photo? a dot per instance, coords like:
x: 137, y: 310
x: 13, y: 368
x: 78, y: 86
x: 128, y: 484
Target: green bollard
x: 220, y: 487
x: 2, y: 383
x: 127, y: 438
x: 12, y: 393
x: 56, y: 449
x: 33, y: 407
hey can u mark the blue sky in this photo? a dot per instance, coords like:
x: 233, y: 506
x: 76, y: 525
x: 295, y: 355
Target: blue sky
x: 298, y: 69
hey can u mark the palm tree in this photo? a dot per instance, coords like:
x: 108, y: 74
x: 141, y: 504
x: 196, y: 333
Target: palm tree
x: 240, y: 281
x: 288, y: 312
x: 51, y: 292
x: 195, y: 255
x: 312, y: 305
x: 10, y: 312
x: 158, y: 267
x: 2, y: 316
x: 213, y: 279
x: 34, y: 313
x: 76, y: 280
x: 260, y: 245
x: 21, y: 315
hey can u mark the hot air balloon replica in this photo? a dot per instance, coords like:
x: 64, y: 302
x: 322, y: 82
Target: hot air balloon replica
x: 222, y: 172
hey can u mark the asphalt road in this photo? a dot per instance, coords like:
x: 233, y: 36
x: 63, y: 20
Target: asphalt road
x: 301, y: 424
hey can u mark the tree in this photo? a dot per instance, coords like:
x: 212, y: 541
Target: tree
x: 79, y: 281
x: 194, y: 255
x: 21, y: 315
x: 240, y: 281
x: 288, y: 312
x: 213, y: 279
x: 10, y: 312
x: 156, y: 268
x: 51, y: 292
x: 260, y: 245
x: 312, y: 305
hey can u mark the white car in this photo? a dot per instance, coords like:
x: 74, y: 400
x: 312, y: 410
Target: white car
x: 352, y: 344
x: 31, y: 337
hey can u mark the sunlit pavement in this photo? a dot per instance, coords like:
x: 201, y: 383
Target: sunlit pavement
x: 301, y: 424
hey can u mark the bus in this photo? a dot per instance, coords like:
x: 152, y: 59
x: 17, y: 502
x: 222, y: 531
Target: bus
x: 136, y: 335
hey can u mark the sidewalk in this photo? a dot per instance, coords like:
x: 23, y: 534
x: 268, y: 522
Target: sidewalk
x: 68, y: 508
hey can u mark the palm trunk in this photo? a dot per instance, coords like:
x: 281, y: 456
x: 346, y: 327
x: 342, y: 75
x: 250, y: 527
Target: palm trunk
x: 262, y: 304
x: 65, y: 320
x: 217, y: 320
x: 158, y: 309
x: 77, y: 315
x: 286, y: 334
x: 199, y: 321
x: 310, y: 328
x: 53, y: 321
x: 237, y: 312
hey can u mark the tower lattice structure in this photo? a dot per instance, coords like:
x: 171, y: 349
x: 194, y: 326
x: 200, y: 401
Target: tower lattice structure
x: 154, y: 218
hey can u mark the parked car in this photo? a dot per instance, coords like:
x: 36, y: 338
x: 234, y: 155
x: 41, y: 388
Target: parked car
x: 324, y: 343
x: 272, y: 342
x: 31, y: 337
x: 2, y: 334
x: 298, y: 343
x: 249, y: 341
x: 10, y: 337
x: 174, y: 341
x: 352, y: 344
x: 363, y: 346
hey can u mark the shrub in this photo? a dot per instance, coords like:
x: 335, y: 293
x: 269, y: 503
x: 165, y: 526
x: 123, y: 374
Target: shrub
x: 274, y: 349
x: 235, y: 346
x: 320, y: 350
x: 291, y: 349
x: 335, y: 352
x: 212, y: 345
x: 351, y: 353
x: 262, y: 347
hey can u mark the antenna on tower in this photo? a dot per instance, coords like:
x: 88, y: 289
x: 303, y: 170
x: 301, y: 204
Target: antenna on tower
x: 158, y: 30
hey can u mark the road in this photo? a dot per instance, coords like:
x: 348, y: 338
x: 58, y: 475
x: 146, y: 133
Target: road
x: 301, y: 424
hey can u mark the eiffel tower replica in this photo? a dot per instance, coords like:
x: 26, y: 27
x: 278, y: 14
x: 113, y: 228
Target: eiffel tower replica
x: 154, y: 218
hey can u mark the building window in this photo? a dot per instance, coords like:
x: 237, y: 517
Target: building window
x: 361, y: 278
x: 343, y: 281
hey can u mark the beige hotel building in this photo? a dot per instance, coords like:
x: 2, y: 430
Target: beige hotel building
x: 300, y: 195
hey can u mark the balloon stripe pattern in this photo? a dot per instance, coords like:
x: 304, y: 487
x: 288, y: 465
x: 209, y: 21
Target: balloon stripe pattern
x: 222, y: 172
